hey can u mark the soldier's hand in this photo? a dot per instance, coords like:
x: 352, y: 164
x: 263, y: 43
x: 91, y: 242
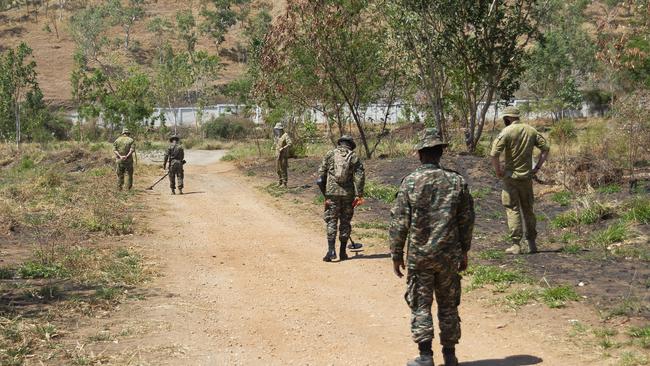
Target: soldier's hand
x: 463, y: 263
x: 328, y: 203
x: 398, y: 265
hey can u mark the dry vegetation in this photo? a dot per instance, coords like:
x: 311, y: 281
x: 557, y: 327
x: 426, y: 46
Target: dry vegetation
x: 59, y: 208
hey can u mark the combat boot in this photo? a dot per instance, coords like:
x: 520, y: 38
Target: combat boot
x: 514, y: 249
x: 342, y: 254
x: 449, y: 355
x: 173, y: 191
x: 331, y: 252
x: 421, y: 360
x: 180, y: 191
x: 532, y: 246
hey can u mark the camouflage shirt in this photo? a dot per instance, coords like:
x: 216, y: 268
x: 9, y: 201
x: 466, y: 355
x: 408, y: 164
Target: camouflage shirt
x: 351, y: 188
x: 518, y: 141
x: 123, y: 145
x: 434, y: 216
x: 283, y: 141
x: 174, y: 152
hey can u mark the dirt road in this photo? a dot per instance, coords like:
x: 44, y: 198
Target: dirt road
x: 242, y: 283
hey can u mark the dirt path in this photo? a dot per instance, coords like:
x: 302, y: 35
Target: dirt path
x: 242, y: 283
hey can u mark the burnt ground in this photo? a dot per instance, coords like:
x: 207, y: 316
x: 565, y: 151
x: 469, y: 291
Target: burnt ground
x: 615, y: 285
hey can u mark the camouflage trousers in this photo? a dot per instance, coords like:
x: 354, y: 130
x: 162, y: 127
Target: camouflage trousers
x: 281, y: 167
x: 421, y: 287
x: 339, y: 214
x: 176, y: 172
x: 518, y: 198
x: 124, y: 168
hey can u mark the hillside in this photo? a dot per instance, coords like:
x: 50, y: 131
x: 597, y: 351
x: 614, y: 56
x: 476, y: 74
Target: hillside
x: 54, y: 54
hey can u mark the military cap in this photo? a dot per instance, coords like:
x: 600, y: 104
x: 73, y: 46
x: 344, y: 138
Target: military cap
x: 125, y: 131
x: 174, y: 137
x: 430, y: 138
x: 510, y: 111
x: 348, y: 139
x: 278, y: 126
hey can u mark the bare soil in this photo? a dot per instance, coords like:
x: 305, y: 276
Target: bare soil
x: 242, y: 283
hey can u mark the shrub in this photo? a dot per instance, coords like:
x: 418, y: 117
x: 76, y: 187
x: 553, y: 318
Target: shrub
x: 562, y: 198
x: 228, y: 127
x: 381, y: 192
x: 613, y: 234
x: 556, y: 297
x: 638, y: 210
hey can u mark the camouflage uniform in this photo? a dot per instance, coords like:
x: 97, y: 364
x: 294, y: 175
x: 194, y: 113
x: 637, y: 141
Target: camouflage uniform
x: 175, y: 155
x: 123, y: 145
x: 518, y: 141
x: 339, y: 211
x: 433, y: 216
x: 281, y: 146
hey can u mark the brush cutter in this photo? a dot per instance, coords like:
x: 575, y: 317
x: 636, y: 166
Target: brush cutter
x: 158, y: 181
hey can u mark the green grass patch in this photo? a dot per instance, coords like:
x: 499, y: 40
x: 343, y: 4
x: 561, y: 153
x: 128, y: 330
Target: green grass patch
x: 41, y: 270
x: 556, y: 297
x: 587, y: 216
x: 638, y: 210
x: 562, y: 198
x: 609, y: 189
x: 482, y: 275
x: 632, y: 359
x: 274, y: 190
x: 381, y: 192
x: 319, y: 199
x: 6, y: 273
x: 572, y: 249
x: 641, y: 335
x: 522, y: 297
x: 614, y: 233
x: 107, y: 293
x: 481, y: 193
x: 492, y: 254
x: 626, y: 308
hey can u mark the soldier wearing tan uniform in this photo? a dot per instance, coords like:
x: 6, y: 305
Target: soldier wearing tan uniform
x: 123, y: 149
x: 518, y: 141
x: 282, y: 142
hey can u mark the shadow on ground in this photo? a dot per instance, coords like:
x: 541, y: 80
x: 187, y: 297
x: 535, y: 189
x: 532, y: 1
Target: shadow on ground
x: 518, y: 360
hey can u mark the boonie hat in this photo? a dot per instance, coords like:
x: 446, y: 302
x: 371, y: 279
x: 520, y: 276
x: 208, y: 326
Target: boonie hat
x: 430, y: 137
x: 278, y: 126
x: 510, y: 111
x: 348, y: 139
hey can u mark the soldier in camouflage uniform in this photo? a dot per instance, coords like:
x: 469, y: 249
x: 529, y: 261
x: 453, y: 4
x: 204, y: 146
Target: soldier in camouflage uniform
x: 518, y: 140
x: 124, y: 148
x: 342, y: 180
x: 175, y: 155
x: 433, y: 216
x: 281, y: 145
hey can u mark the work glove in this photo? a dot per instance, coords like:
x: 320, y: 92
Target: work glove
x: 358, y: 201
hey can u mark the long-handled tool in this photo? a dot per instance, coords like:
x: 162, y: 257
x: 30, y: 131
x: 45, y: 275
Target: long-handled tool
x: 354, y: 245
x: 158, y: 181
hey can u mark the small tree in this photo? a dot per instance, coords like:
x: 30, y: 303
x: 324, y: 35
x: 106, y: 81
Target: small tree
x: 125, y: 16
x: 17, y: 82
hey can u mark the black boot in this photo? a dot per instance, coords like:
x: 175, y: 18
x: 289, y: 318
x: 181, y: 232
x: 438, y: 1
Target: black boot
x: 426, y: 355
x: 342, y: 254
x: 180, y: 191
x: 331, y: 252
x: 173, y: 191
x: 449, y: 355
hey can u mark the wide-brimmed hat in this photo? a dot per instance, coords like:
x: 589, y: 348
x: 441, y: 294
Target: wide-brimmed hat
x: 430, y: 137
x: 125, y: 131
x: 278, y: 126
x: 174, y: 137
x: 348, y: 139
x: 510, y: 111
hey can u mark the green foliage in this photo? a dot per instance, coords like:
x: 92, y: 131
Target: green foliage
x: 522, y: 297
x: 107, y: 293
x: 612, y: 234
x: 638, y: 210
x: 491, y: 275
x: 6, y: 273
x: 382, y: 192
x: 226, y: 127
x: 609, y: 189
x: 492, y: 254
x: 481, y: 193
x: 372, y: 225
x: 34, y: 269
x: 642, y: 335
x: 572, y: 249
x: 562, y: 198
x: 586, y: 216
x: 556, y: 297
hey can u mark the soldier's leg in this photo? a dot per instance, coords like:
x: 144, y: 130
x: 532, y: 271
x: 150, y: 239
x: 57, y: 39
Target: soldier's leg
x: 331, y: 222
x: 285, y: 170
x: 510, y: 200
x: 527, y: 199
x: 419, y: 297
x: 172, y: 177
x: 119, y: 169
x: 448, y: 289
x: 181, y: 176
x: 345, y: 228
x: 278, y: 169
x: 129, y: 178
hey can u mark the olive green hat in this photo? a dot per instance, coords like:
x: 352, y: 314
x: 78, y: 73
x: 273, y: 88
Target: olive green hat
x: 348, y: 139
x: 430, y: 137
x: 125, y: 131
x: 278, y: 126
x: 510, y: 111
x: 174, y: 137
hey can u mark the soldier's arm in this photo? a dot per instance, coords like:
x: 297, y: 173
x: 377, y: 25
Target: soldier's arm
x: 166, y: 158
x: 115, y: 150
x: 181, y: 153
x: 322, y: 170
x: 400, y: 223
x: 131, y: 150
x: 466, y: 218
x: 497, y: 148
x: 288, y: 142
x: 359, y: 178
x: 541, y: 144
